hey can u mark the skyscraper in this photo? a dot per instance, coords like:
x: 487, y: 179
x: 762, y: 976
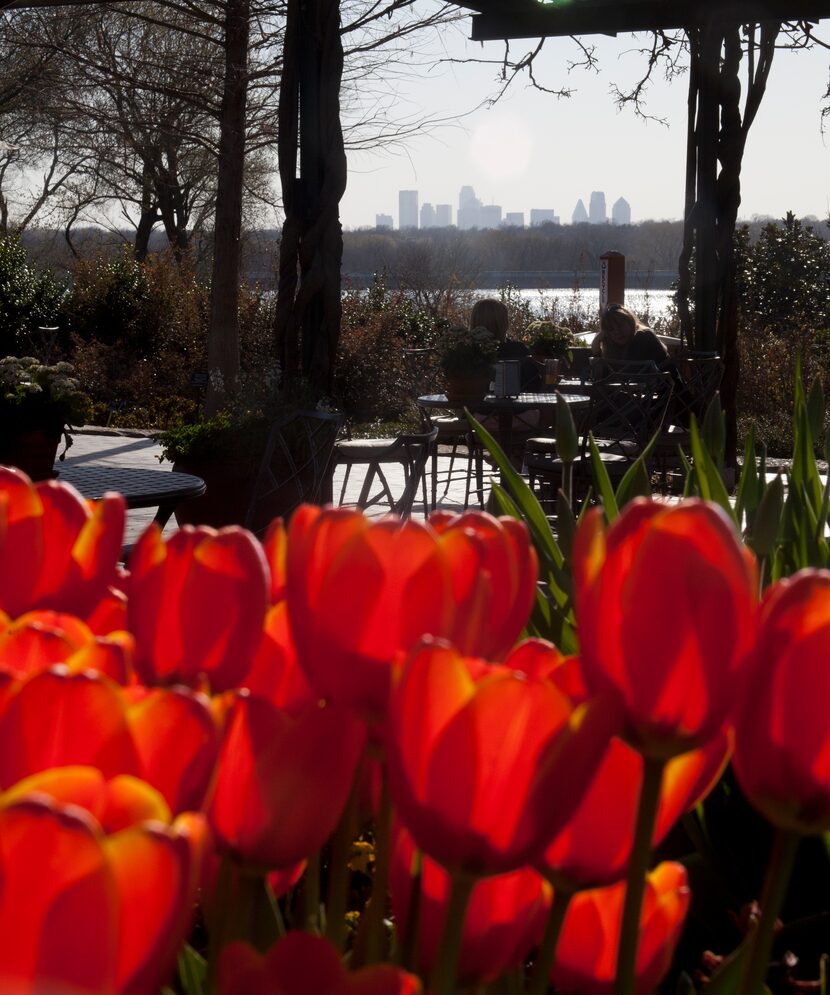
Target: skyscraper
x: 580, y: 215
x: 621, y: 212
x: 514, y: 219
x: 469, y: 209
x: 596, y: 210
x: 427, y: 215
x: 541, y: 216
x: 443, y: 215
x: 384, y: 221
x: 407, y: 209
x: 490, y: 216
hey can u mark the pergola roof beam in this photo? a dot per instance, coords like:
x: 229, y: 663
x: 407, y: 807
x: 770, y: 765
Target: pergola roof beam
x: 494, y: 20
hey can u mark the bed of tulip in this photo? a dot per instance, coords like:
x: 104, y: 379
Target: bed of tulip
x: 196, y: 754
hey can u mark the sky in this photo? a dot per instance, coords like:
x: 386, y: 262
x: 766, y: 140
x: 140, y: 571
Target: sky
x: 532, y: 149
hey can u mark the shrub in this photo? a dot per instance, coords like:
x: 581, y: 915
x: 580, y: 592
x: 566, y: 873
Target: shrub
x: 29, y: 298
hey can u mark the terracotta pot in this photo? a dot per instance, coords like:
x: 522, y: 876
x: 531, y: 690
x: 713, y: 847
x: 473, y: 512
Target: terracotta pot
x: 33, y: 452
x: 467, y: 388
x: 229, y: 483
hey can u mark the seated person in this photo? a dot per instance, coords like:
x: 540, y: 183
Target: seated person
x: 492, y: 314
x: 622, y: 336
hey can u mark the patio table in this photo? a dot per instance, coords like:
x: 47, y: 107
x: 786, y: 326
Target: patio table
x: 141, y: 487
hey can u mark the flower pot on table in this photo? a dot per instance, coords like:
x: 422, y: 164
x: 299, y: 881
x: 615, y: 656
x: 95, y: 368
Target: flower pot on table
x: 469, y: 388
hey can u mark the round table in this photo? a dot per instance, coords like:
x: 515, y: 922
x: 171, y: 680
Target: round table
x: 141, y: 487
x: 505, y: 408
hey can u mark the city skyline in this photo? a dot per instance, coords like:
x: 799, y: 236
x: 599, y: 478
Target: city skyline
x: 471, y: 213
x: 531, y: 149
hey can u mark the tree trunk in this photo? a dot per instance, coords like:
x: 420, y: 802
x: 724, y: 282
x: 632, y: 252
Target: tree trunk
x: 307, y: 321
x: 223, y: 332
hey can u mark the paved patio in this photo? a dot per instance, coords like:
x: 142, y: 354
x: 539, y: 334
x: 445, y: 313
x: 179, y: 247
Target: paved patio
x: 135, y: 449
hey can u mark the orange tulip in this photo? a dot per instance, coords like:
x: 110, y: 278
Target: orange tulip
x: 283, y: 780
x: 58, y: 719
x: 55, y: 550
x: 586, y: 954
x: 361, y: 592
x: 666, y: 610
x: 504, y: 920
x: 86, y: 909
x: 594, y: 848
x: 487, y: 763
x: 493, y: 603
x: 275, y: 674
x: 782, y: 741
x: 196, y: 605
x: 301, y: 964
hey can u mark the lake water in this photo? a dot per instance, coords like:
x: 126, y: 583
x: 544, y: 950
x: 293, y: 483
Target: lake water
x: 559, y: 302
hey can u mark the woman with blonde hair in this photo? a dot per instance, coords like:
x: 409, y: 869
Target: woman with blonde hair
x: 623, y: 336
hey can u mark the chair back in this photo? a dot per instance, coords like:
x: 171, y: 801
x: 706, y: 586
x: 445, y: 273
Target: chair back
x: 601, y: 368
x: 294, y: 466
x: 415, y: 450
x: 700, y: 379
x: 626, y: 411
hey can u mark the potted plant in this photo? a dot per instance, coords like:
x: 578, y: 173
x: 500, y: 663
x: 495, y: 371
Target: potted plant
x: 226, y: 450
x: 467, y: 357
x: 38, y: 404
x: 550, y: 341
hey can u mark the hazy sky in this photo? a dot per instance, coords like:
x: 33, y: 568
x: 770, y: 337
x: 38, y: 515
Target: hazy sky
x: 534, y: 150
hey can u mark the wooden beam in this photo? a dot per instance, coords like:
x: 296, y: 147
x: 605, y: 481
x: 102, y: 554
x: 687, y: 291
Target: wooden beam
x: 586, y: 17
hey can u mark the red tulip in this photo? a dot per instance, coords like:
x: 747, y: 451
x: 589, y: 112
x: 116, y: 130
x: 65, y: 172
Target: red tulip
x: 586, y: 955
x: 494, y: 602
x: 666, y: 609
x: 360, y: 593
x: 505, y: 917
x: 57, y: 719
x: 87, y: 911
x: 40, y: 639
x: 275, y: 545
x: 301, y: 964
x: 56, y: 551
x: 782, y: 741
x: 486, y: 763
x: 275, y: 674
x: 283, y: 780
x: 594, y: 848
x: 196, y: 605
x: 177, y: 742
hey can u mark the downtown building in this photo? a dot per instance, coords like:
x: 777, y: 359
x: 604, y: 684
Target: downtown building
x: 407, y: 209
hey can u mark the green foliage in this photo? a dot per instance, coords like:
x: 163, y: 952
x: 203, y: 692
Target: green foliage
x: 468, y: 350
x: 29, y: 298
x: 549, y: 340
x: 783, y: 275
x: 36, y: 396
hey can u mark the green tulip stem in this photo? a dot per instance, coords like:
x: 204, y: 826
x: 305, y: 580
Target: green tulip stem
x: 547, y: 951
x: 626, y: 977
x: 217, y: 924
x: 760, y: 940
x: 376, y: 910
x: 446, y: 965
x: 568, y: 481
x: 409, y: 942
x: 339, y: 872
x: 311, y: 895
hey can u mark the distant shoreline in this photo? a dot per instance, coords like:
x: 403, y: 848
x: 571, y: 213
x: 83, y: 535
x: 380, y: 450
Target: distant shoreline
x: 640, y: 280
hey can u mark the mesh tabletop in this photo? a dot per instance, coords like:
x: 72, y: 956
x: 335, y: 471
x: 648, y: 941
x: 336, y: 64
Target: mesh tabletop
x: 142, y: 488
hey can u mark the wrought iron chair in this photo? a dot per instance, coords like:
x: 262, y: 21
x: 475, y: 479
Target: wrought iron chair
x: 410, y: 451
x: 625, y: 413
x: 459, y: 442
x: 294, y: 467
